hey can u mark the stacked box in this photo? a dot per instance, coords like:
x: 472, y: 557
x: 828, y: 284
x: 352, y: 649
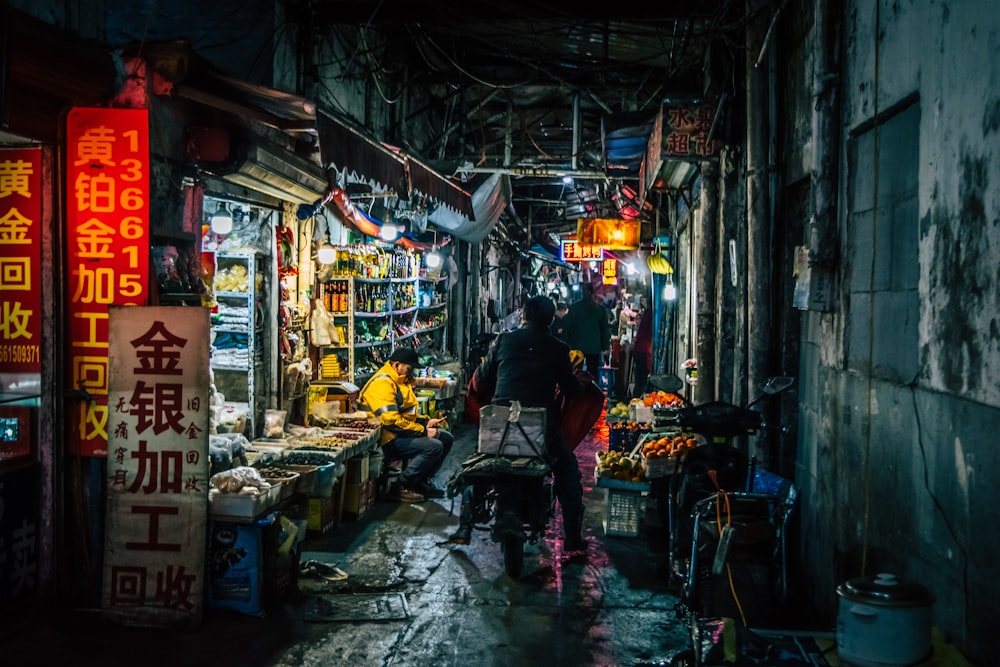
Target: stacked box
x: 357, y: 469
x: 321, y: 514
x: 359, y: 498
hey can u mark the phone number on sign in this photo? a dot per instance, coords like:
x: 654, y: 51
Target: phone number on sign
x: 19, y: 354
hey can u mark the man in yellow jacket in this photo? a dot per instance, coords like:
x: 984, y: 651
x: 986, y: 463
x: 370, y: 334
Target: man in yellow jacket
x: 405, y: 434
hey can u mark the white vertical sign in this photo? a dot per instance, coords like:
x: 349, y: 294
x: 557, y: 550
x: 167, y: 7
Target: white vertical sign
x: 158, y: 466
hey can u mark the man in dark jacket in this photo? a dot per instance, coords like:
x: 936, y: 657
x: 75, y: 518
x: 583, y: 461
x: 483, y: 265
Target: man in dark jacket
x: 527, y: 365
x: 586, y: 328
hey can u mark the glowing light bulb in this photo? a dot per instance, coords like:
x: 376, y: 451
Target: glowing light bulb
x: 327, y: 254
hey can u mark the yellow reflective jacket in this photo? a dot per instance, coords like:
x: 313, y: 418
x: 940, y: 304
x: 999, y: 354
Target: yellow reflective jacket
x: 387, y: 396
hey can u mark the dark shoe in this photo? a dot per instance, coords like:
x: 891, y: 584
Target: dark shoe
x: 405, y: 494
x: 461, y: 536
x: 430, y: 490
x: 574, y: 543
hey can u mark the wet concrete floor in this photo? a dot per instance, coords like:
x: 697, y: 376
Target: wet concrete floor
x: 419, y: 601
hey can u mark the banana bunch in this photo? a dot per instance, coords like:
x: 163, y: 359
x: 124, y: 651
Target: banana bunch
x: 657, y: 263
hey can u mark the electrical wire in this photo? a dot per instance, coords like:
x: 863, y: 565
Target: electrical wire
x: 729, y: 524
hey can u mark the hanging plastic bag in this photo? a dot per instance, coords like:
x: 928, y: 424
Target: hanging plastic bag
x: 322, y: 329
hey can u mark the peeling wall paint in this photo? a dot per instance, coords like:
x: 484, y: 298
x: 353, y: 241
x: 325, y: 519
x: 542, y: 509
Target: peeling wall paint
x: 902, y: 474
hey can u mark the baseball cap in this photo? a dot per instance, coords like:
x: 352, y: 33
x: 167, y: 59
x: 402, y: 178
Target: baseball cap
x: 405, y: 355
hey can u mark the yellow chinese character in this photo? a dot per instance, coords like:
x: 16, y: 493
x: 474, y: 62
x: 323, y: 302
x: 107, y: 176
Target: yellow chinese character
x: 93, y: 425
x: 95, y: 146
x: 15, y: 274
x: 94, y: 285
x: 14, y: 178
x: 14, y: 323
x: 93, y: 240
x: 95, y: 193
x: 14, y: 228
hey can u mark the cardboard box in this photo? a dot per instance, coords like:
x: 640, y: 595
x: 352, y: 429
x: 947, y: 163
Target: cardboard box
x: 358, y: 498
x: 493, y: 424
x: 321, y: 514
x: 344, y: 393
x: 357, y: 469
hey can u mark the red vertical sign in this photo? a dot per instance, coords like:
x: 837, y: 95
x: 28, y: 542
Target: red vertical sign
x: 107, y: 232
x: 20, y: 260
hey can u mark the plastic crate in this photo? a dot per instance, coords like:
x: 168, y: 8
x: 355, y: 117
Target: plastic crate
x: 622, y: 512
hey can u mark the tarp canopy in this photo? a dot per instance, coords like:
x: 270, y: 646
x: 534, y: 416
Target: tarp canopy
x: 488, y: 202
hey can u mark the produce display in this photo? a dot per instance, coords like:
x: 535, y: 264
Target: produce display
x: 668, y: 446
x: 618, y: 465
x: 660, y: 399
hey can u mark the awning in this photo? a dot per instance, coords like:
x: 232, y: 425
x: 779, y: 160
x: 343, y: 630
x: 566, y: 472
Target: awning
x: 348, y: 149
x: 426, y: 182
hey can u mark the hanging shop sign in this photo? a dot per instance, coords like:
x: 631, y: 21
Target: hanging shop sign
x: 107, y: 223
x: 609, y: 271
x: 609, y: 233
x: 20, y: 260
x: 686, y: 130
x: 157, y: 466
x: 572, y: 251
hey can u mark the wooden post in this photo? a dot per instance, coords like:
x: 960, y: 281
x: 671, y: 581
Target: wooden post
x: 706, y: 263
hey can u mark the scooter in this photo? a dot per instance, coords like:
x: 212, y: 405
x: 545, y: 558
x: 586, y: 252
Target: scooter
x: 510, y: 487
x: 725, y: 515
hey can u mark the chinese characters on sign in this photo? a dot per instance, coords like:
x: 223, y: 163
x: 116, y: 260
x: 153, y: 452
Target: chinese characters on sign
x: 574, y: 252
x: 685, y: 132
x: 107, y: 222
x: 609, y: 271
x: 20, y: 260
x: 157, y: 464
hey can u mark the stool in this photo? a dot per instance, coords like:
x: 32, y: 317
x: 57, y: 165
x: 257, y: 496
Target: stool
x: 606, y: 379
x: 391, y: 470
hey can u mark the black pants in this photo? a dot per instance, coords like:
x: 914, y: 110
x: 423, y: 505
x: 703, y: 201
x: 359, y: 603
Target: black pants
x: 640, y: 361
x: 593, y: 363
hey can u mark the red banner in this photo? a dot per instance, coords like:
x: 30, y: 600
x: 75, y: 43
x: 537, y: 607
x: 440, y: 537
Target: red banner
x: 107, y: 233
x: 20, y: 260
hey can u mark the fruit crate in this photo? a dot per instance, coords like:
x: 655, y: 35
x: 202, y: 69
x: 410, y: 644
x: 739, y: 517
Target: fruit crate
x: 622, y: 512
x: 622, y: 437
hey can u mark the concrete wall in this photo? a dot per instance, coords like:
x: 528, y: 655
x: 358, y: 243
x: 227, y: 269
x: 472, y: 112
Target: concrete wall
x: 900, y: 384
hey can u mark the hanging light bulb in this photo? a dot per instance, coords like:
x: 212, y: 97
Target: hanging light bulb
x: 222, y: 220
x: 669, y: 290
x: 433, y: 260
x: 327, y: 253
x: 389, y: 232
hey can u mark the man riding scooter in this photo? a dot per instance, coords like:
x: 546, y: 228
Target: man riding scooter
x: 527, y: 365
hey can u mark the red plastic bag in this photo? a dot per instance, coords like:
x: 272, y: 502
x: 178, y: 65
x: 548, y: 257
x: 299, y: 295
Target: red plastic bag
x: 578, y: 414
